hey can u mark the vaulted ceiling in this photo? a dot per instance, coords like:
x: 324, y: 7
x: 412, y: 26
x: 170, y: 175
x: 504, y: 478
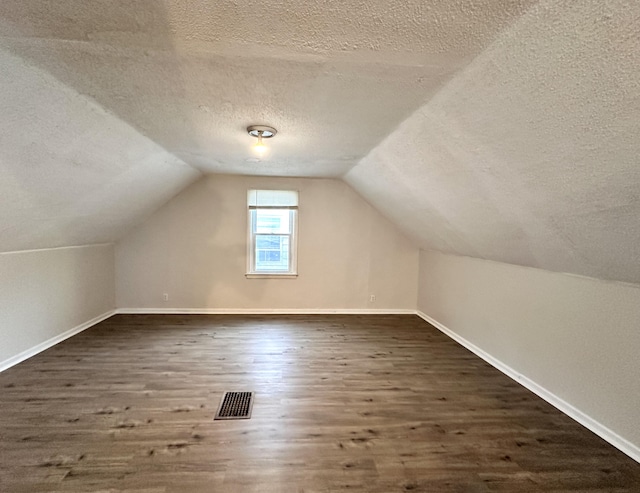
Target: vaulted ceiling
x: 499, y: 129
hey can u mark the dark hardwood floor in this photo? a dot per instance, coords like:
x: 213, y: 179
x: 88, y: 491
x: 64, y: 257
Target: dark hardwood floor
x: 343, y: 403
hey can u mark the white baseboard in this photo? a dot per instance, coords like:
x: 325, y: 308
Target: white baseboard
x: 588, y: 422
x: 265, y: 311
x: 599, y: 429
x: 18, y: 358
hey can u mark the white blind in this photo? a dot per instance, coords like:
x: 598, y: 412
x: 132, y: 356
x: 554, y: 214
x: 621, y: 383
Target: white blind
x: 272, y: 198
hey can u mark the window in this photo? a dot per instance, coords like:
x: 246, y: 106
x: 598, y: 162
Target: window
x: 273, y: 216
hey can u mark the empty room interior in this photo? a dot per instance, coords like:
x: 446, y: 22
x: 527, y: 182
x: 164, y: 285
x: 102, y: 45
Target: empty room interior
x: 319, y: 246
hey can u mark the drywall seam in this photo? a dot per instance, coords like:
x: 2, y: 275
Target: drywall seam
x: 626, y: 284
x: 24, y: 355
x: 69, y: 247
x: 585, y: 420
x: 264, y: 311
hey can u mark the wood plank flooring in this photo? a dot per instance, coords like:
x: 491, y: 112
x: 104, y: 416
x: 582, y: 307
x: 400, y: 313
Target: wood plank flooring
x: 343, y: 403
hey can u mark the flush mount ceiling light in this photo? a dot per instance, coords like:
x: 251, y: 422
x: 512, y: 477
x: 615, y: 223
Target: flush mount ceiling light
x: 261, y: 132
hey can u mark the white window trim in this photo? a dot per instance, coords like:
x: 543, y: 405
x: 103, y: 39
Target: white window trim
x: 270, y: 275
x: 290, y: 274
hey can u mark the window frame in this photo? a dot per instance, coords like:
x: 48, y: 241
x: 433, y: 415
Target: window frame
x: 252, y: 236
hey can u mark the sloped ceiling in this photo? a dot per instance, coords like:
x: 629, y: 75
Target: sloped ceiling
x: 333, y: 77
x: 499, y: 129
x: 531, y: 154
x: 71, y: 173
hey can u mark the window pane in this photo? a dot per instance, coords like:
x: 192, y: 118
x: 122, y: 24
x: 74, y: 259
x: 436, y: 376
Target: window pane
x: 272, y: 230
x: 272, y: 253
x: 268, y: 242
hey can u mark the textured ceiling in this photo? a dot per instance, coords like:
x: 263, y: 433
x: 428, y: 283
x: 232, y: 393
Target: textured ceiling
x: 498, y: 129
x: 531, y: 154
x: 333, y: 77
x: 70, y: 173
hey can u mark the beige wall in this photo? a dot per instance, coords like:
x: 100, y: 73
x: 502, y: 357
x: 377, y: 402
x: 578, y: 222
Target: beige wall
x: 194, y: 249
x: 44, y: 293
x: 576, y: 337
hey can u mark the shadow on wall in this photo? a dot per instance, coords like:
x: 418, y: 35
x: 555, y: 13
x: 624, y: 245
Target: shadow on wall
x: 193, y: 248
x: 204, y: 251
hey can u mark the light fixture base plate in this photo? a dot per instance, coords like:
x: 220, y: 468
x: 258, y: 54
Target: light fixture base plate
x: 261, y: 130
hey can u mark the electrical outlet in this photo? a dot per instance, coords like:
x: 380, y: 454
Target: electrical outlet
x: 372, y: 298
x: 165, y: 296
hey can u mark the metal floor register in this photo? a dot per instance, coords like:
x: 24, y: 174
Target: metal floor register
x: 235, y: 405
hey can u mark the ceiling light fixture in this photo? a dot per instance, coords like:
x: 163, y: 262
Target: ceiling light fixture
x: 261, y: 132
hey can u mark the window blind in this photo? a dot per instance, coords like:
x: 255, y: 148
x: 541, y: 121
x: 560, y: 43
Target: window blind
x: 281, y: 199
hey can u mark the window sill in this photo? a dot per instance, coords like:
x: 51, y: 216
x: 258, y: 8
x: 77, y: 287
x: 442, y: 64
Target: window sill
x: 270, y: 275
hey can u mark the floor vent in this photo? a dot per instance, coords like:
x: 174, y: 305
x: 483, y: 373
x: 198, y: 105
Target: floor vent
x: 235, y: 405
